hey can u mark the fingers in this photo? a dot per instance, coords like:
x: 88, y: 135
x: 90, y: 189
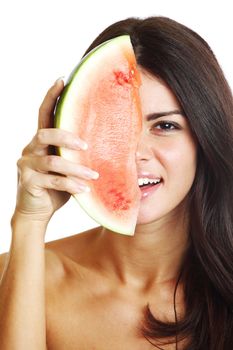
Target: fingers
x: 55, y: 137
x: 37, y: 173
x: 38, y: 170
x: 45, y: 119
x: 57, y: 165
x: 35, y: 183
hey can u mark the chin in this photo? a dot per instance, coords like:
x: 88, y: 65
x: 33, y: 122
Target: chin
x: 149, y: 215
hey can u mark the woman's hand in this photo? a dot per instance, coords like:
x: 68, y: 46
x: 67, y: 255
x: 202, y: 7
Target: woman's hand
x: 46, y: 181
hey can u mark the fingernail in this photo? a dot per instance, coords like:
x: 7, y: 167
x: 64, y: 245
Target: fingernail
x: 59, y: 79
x: 91, y: 174
x: 81, y: 144
x: 84, y: 146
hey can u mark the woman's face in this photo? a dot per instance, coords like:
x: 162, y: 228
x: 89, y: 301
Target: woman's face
x: 166, y: 150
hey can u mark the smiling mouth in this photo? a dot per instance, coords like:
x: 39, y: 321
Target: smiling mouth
x: 149, y: 189
x: 148, y: 183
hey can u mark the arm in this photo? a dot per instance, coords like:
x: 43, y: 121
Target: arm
x: 45, y: 183
x: 22, y: 304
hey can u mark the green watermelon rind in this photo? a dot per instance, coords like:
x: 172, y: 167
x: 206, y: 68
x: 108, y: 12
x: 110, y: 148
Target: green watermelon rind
x: 85, y: 201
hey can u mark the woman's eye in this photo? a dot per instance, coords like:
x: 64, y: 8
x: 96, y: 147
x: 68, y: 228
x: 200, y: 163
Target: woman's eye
x: 165, y: 126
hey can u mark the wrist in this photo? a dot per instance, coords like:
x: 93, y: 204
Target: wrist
x: 27, y: 225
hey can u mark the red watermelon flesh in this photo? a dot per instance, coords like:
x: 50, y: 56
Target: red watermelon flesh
x: 101, y: 104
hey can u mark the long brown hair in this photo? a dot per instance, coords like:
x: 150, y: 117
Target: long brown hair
x: 179, y: 56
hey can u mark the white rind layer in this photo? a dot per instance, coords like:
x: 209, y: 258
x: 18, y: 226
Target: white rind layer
x: 86, y: 201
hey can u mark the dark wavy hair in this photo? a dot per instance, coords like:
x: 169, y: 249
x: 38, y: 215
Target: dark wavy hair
x: 181, y: 58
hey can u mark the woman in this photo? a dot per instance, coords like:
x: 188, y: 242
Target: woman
x: 170, y: 286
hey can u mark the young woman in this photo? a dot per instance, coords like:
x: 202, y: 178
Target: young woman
x: 170, y: 286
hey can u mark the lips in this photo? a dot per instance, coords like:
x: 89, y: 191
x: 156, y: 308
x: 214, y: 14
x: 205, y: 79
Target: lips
x: 149, y: 190
x: 146, y: 178
x: 142, y: 174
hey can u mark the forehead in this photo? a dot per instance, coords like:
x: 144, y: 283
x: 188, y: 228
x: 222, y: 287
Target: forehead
x: 155, y: 95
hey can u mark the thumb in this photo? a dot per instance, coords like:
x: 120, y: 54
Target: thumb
x: 45, y: 119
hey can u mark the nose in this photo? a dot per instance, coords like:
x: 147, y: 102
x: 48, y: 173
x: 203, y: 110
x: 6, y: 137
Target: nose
x: 143, y: 151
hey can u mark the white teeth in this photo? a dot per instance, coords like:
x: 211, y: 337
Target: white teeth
x: 146, y: 181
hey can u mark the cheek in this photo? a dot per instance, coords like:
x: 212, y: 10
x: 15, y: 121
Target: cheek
x: 178, y: 158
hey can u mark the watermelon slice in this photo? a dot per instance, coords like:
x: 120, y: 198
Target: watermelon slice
x: 100, y: 103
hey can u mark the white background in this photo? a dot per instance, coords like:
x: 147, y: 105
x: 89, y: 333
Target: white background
x: 43, y: 40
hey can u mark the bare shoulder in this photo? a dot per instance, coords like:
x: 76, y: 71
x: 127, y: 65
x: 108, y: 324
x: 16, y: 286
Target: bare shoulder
x: 71, y: 244
x: 59, y: 253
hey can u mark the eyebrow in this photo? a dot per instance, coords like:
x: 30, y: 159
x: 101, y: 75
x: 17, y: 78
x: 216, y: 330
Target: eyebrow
x: 153, y: 116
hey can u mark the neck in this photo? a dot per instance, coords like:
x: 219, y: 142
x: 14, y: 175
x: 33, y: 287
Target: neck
x: 153, y: 255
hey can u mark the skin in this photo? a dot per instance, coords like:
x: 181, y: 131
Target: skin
x: 99, y: 282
